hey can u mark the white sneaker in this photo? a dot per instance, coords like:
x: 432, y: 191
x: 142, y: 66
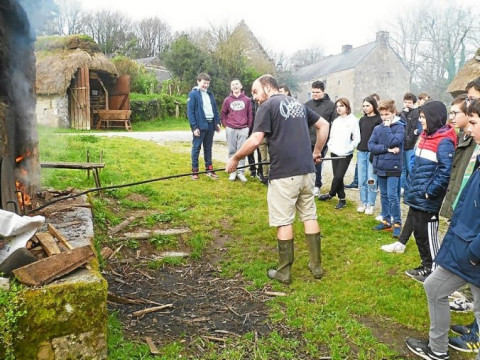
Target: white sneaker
x: 369, y: 210
x: 242, y: 177
x: 461, y: 305
x: 379, y: 217
x: 316, y: 191
x: 232, y: 176
x: 361, y: 208
x: 396, y: 247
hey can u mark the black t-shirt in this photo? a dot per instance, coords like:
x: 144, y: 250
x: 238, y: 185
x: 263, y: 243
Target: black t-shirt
x: 367, y: 124
x: 285, y: 123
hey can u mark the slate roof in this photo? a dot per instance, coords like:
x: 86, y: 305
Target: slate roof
x: 335, y: 63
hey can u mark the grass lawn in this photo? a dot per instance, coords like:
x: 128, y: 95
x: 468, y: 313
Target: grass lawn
x: 363, y: 307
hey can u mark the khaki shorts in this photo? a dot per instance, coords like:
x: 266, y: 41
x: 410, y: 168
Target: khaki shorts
x: 289, y: 195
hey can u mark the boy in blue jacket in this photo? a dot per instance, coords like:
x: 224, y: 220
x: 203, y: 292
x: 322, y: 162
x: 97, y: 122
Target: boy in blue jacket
x: 202, y: 113
x: 386, y: 146
x: 428, y: 181
x: 458, y: 262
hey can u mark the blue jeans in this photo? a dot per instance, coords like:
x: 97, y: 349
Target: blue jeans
x: 390, y: 198
x: 205, y: 138
x: 407, y: 166
x: 367, y: 180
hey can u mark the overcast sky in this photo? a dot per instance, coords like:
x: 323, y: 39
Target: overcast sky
x: 281, y: 27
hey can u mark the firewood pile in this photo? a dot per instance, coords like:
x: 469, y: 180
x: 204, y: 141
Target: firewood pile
x: 55, y: 255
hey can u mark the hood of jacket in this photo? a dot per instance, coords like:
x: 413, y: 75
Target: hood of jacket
x: 435, y: 114
x: 447, y: 131
x: 241, y: 95
x: 324, y: 98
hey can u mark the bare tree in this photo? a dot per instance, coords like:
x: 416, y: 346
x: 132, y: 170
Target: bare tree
x: 306, y: 57
x: 69, y: 18
x: 434, y: 42
x: 111, y: 30
x: 153, y: 36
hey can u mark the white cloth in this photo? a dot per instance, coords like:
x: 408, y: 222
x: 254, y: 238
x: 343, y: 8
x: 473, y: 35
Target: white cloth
x: 16, y: 230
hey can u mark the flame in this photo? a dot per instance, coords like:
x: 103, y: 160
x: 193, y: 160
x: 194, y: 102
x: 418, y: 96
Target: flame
x: 23, y: 198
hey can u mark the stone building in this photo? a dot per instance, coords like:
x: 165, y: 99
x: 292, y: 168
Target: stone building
x: 358, y: 72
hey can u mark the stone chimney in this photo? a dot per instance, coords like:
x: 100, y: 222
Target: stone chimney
x: 382, y: 37
x: 346, y: 48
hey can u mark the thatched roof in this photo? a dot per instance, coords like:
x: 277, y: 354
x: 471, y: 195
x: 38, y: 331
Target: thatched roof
x: 470, y: 71
x: 59, y: 58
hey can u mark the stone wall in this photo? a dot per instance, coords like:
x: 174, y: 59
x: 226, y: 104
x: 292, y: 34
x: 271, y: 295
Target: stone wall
x: 52, y: 110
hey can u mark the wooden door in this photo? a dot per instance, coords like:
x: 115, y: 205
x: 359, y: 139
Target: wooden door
x: 80, y: 100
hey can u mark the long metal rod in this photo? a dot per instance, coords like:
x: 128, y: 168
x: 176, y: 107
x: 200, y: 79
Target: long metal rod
x: 153, y: 180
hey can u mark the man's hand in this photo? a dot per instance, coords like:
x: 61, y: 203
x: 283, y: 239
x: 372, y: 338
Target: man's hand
x: 317, y: 158
x: 232, y: 164
x: 394, y: 150
x: 196, y: 132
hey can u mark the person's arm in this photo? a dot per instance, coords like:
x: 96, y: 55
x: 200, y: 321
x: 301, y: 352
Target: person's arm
x: 322, y: 126
x: 216, y: 115
x: 224, y: 112
x: 247, y: 148
x: 191, y: 105
x: 440, y: 178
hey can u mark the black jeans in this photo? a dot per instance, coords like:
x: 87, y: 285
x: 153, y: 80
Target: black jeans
x: 339, y: 167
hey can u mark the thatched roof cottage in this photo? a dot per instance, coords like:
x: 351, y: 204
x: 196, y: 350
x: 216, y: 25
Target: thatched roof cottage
x: 470, y: 71
x: 74, y: 79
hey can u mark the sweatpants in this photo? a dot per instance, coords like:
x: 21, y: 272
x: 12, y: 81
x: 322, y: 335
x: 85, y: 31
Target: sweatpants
x: 438, y: 286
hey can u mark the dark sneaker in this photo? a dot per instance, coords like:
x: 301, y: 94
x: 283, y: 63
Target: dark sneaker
x: 324, y: 197
x: 384, y: 225
x: 462, y: 329
x: 467, y: 342
x: 423, y: 274
x: 397, y: 230
x: 414, y: 272
x: 341, y: 204
x: 211, y: 173
x: 421, y: 348
x: 253, y: 174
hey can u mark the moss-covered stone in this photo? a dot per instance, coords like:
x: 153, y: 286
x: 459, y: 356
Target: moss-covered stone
x: 75, y: 309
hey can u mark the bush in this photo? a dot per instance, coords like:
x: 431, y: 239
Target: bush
x: 154, y: 106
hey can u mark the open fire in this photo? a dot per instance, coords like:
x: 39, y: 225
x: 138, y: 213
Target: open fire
x: 23, y: 197
x: 19, y: 162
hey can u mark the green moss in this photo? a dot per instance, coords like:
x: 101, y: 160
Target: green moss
x: 55, y: 43
x: 53, y: 311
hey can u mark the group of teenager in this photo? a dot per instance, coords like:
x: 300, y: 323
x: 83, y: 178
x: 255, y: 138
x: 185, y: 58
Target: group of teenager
x: 434, y: 160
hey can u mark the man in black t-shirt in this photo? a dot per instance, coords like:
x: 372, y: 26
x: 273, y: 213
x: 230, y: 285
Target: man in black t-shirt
x: 285, y: 122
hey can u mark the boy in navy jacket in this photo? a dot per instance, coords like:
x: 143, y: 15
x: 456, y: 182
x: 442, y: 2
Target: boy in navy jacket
x: 458, y: 264
x: 427, y: 183
x: 386, y: 146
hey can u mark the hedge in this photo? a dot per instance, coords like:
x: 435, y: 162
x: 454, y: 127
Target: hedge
x: 156, y: 106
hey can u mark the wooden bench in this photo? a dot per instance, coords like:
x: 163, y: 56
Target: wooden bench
x: 74, y: 165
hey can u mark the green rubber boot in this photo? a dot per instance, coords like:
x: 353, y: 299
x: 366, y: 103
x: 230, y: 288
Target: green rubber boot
x: 285, y: 254
x: 314, y: 249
